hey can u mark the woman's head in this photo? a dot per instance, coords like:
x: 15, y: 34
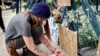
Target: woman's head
x: 40, y: 13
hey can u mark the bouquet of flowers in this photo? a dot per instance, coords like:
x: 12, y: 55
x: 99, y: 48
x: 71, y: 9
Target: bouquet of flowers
x: 57, y: 14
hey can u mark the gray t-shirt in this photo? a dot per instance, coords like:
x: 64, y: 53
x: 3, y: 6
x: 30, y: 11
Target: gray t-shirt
x: 18, y: 26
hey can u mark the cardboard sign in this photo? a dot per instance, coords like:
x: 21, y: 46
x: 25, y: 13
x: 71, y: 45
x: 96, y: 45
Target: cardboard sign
x: 64, y: 2
x: 68, y: 41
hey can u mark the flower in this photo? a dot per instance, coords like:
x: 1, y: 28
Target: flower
x: 56, y: 6
x: 58, y: 16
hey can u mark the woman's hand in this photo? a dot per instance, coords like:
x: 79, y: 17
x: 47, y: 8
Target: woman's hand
x: 59, y: 53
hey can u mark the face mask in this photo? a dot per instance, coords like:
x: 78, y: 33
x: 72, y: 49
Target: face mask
x: 44, y: 22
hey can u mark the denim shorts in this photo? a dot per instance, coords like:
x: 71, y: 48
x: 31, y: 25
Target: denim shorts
x: 18, y: 43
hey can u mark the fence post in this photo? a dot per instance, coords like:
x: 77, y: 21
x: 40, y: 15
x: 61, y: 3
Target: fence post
x: 17, y: 6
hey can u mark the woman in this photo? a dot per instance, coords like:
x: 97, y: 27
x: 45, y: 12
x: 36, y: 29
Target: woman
x: 25, y: 30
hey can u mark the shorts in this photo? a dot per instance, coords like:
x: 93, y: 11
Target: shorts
x: 18, y: 42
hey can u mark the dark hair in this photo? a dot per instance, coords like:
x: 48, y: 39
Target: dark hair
x: 32, y: 22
